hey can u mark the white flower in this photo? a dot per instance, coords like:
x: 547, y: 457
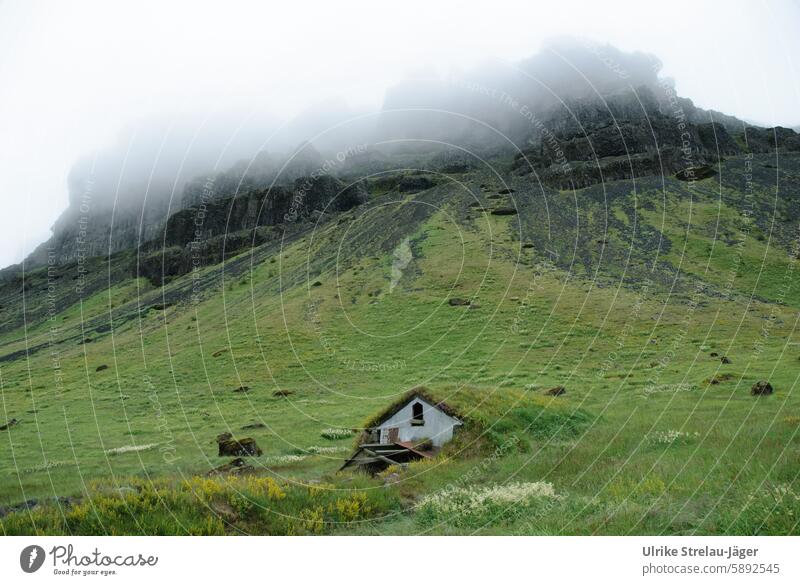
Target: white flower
x: 334, y: 434
x: 473, y: 499
x: 669, y: 437
x: 284, y: 459
x: 316, y: 450
x: 130, y: 449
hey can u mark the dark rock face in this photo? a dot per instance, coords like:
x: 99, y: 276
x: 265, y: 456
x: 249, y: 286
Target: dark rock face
x: 761, y: 388
x: 630, y: 135
x: 210, y: 232
x: 230, y: 447
x: 268, y: 207
x: 415, y: 184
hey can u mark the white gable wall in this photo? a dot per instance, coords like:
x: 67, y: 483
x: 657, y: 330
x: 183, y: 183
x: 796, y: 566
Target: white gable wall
x: 438, y: 426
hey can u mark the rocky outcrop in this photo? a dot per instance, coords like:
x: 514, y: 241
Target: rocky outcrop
x: 221, y: 228
x: 230, y: 447
x: 631, y: 134
x: 268, y: 207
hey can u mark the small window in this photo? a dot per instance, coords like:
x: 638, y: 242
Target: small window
x: 417, y: 419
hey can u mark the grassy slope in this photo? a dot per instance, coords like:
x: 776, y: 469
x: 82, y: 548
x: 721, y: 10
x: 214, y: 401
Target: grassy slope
x: 637, y: 359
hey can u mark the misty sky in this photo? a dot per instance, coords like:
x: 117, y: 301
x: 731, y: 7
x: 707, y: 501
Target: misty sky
x: 73, y: 74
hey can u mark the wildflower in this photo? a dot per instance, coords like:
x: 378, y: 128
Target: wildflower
x: 334, y: 434
x: 284, y: 459
x: 670, y: 437
x: 130, y: 449
x: 475, y: 499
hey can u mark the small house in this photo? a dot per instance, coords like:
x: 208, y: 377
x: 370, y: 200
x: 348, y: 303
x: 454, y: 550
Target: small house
x: 413, y: 428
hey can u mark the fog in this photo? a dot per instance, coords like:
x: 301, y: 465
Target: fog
x: 145, y: 96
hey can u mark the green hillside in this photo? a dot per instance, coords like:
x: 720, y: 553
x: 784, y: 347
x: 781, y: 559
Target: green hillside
x: 620, y: 292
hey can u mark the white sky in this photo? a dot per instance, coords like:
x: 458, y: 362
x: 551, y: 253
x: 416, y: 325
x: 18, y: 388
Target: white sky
x: 73, y: 73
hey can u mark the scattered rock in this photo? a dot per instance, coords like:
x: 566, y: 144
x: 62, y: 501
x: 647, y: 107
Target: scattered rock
x: 26, y: 505
x: 230, y: 447
x: 556, y: 391
x: 415, y: 184
x: 12, y: 423
x: 255, y: 425
x: 719, y: 378
x: 391, y: 478
x: 243, y: 389
x: 101, y: 368
x: 282, y: 393
x: 725, y: 360
x: 505, y: 191
x: 457, y: 302
x: 695, y: 173
x: 504, y: 211
x: 234, y: 467
x: 761, y: 388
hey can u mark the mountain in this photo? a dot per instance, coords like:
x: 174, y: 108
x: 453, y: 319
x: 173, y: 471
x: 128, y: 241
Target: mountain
x: 610, y: 239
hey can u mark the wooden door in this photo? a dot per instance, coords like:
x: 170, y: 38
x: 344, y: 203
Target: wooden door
x: 393, y: 434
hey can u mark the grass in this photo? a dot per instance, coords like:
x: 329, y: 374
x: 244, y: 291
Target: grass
x: 634, y: 360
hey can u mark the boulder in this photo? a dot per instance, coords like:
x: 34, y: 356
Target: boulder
x: 761, y: 388
x: 235, y: 467
x: 556, y: 391
x: 457, y: 302
x: 230, y: 447
x: 26, y: 505
x: 695, y: 173
x: 725, y: 360
x: 504, y: 211
x: 9, y: 424
x: 242, y: 389
x: 282, y: 393
x: 101, y: 368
